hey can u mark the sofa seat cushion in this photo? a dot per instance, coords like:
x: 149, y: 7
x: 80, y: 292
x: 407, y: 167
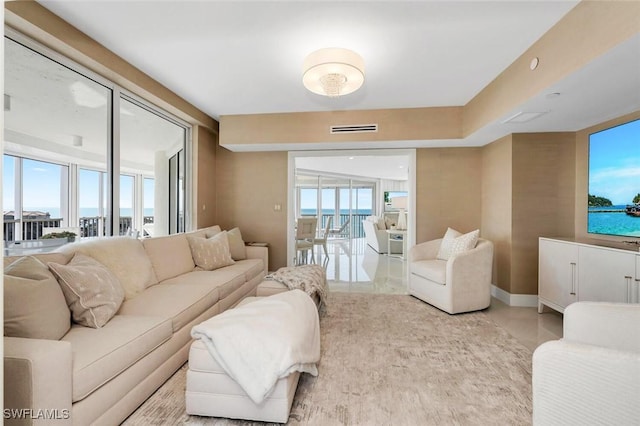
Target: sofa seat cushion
x: 180, y: 300
x: 237, y: 274
x: 100, y: 354
x: 433, y: 269
x: 227, y: 279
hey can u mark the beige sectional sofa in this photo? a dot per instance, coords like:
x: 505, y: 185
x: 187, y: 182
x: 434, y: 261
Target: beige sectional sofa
x: 101, y: 375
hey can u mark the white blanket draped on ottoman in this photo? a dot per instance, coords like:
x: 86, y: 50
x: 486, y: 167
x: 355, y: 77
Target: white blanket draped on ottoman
x: 262, y: 341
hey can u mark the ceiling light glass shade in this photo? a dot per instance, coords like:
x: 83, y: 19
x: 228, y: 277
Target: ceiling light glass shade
x: 333, y: 72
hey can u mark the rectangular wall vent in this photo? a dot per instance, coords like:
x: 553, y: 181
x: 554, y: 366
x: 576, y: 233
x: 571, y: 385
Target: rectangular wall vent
x: 354, y: 128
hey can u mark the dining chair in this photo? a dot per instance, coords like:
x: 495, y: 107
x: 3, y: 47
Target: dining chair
x: 342, y: 231
x: 322, y: 240
x: 305, y: 235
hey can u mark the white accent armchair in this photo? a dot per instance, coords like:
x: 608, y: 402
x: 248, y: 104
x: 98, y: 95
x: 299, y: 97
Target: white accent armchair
x: 591, y: 375
x: 460, y: 284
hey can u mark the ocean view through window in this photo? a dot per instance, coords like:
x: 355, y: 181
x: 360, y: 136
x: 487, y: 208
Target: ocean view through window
x: 614, y: 181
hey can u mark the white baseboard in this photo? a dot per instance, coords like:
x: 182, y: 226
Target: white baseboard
x: 520, y: 300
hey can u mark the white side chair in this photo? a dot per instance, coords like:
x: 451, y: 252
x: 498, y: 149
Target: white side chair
x: 592, y: 375
x: 305, y: 235
x: 322, y: 240
x: 460, y: 284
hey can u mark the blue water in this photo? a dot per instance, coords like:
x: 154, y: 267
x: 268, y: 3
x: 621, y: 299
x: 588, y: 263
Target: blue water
x: 612, y: 223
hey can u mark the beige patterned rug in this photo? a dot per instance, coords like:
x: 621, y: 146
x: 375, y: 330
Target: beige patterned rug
x: 393, y: 360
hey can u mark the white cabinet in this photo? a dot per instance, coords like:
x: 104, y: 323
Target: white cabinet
x: 606, y: 275
x: 557, y: 274
x: 569, y: 271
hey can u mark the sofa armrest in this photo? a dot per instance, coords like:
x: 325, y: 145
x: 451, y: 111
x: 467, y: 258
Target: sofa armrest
x: 37, y: 381
x: 426, y: 250
x: 575, y: 383
x: 612, y: 325
x: 259, y: 252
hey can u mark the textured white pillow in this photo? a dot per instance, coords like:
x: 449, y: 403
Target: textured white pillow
x: 92, y: 291
x: 447, y: 241
x: 464, y: 243
x: 211, y: 253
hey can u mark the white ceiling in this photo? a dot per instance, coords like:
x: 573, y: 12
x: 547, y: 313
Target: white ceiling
x: 242, y: 57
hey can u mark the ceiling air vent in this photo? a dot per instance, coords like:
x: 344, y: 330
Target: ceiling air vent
x: 354, y: 128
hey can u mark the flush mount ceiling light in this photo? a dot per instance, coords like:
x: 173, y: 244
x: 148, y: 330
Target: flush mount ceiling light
x: 333, y: 72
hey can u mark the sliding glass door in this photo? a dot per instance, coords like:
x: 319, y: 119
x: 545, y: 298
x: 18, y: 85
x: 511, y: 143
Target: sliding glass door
x: 82, y: 153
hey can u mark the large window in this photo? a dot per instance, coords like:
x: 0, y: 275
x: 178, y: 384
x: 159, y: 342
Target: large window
x: 62, y: 127
x: 348, y: 201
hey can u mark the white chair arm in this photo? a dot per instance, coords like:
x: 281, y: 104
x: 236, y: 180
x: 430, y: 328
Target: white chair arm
x: 472, y: 267
x: 611, y: 325
x: 577, y: 384
x: 426, y: 250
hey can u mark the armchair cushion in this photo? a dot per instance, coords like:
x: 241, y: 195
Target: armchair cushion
x: 434, y: 270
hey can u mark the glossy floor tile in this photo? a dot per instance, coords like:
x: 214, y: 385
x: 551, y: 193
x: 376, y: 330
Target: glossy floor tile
x: 353, y: 266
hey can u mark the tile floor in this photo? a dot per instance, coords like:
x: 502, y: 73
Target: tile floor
x: 353, y: 266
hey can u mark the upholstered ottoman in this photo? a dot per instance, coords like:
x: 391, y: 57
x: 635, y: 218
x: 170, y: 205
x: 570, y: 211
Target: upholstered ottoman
x: 211, y: 392
x: 271, y: 287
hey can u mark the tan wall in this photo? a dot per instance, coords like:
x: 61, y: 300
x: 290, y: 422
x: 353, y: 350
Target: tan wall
x: 496, y: 204
x: 248, y: 185
x: 448, y: 187
x: 205, y: 143
x: 582, y: 172
x: 313, y: 127
x: 543, y: 186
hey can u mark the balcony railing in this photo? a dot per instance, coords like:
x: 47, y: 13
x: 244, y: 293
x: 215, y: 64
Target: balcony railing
x: 355, y: 224
x: 32, y: 229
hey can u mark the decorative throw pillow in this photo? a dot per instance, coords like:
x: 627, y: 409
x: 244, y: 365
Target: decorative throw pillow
x: 93, y: 293
x: 464, y: 243
x: 125, y: 257
x: 447, y: 241
x: 211, y: 253
x: 34, y: 306
x: 236, y: 244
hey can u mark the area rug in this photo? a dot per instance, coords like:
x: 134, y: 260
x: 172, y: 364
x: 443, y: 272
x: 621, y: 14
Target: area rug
x: 392, y: 360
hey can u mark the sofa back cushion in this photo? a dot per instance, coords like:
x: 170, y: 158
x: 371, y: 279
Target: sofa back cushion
x: 34, y: 306
x: 170, y: 256
x: 125, y: 257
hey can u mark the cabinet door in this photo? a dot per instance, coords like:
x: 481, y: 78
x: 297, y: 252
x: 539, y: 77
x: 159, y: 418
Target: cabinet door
x: 557, y: 273
x: 606, y: 275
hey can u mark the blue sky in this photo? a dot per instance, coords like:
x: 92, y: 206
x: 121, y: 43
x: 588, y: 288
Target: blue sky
x: 614, y: 163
